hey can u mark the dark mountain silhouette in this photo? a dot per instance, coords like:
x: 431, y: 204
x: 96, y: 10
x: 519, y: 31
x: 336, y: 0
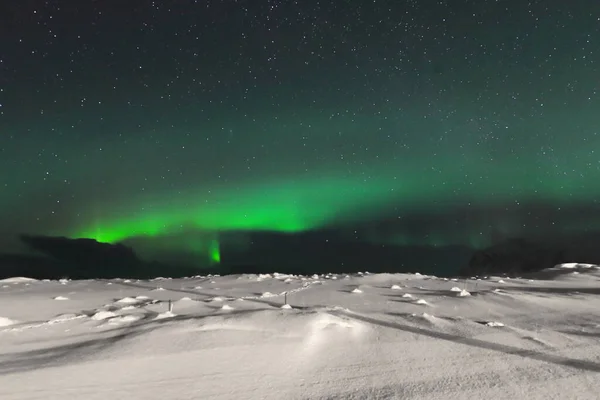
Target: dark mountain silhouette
x: 326, y: 251
x: 60, y: 257
x: 515, y: 256
x: 85, y: 252
x: 304, y: 253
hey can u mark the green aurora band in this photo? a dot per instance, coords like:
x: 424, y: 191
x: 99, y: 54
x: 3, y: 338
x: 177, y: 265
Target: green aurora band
x: 304, y: 203
x: 282, y: 206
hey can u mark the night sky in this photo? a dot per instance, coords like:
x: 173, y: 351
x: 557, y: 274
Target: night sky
x: 441, y: 122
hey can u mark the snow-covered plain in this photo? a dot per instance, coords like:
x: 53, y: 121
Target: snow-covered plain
x: 360, y: 336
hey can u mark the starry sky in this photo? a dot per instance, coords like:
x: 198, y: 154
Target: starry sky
x: 432, y: 122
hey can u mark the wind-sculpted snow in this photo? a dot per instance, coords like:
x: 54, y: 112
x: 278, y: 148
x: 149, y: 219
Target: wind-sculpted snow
x: 276, y: 336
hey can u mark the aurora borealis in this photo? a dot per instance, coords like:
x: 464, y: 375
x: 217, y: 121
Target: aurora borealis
x: 410, y: 122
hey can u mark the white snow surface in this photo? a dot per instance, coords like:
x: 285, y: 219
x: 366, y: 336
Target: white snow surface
x: 18, y: 279
x: 6, y: 322
x: 534, y: 338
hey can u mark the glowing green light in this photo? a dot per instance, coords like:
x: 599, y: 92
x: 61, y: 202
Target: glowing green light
x: 215, y: 252
x: 281, y: 206
x: 307, y: 202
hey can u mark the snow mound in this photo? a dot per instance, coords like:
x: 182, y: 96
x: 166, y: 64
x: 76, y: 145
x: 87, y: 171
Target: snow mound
x: 226, y: 307
x: 267, y: 295
x: 60, y: 298
x: 185, y: 299
x: 142, y: 298
x: 217, y: 299
x: 166, y: 314
x: 407, y: 295
x: 494, y: 324
x: 396, y: 287
x: 17, y: 279
x: 421, y: 302
x: 63, y: 281
x: 576, y: 265
x: 286, y: 307
x: 7, y: 321
x: 127, y: 300
x: 158, y: 289
x: 463, y: 293
x: 65, y: 318
x: 429, y: 318
x: 327, y: 322
x: 102, y: 315
x: 456, y: 289
x: 357, y: 290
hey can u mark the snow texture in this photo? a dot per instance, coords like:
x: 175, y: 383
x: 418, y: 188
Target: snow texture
x: 17, y: 279
x: 534, y: 337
